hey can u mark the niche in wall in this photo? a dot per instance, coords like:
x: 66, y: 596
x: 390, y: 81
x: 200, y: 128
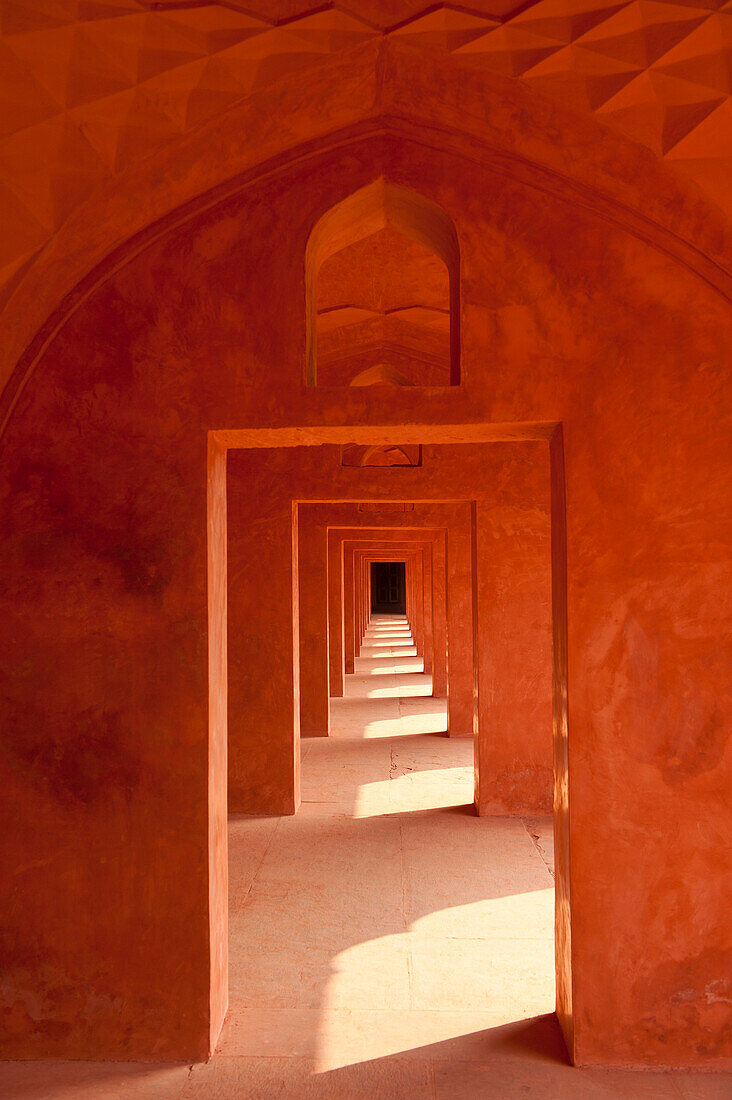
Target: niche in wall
x: 354, y: 454
x: 383, y: 290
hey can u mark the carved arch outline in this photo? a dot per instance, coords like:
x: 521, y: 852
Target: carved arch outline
x: 382, y: 205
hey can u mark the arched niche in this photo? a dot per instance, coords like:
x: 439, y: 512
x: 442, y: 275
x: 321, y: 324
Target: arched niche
x: 380, y: 375
x: 395, y: 234
x: 354, y: 454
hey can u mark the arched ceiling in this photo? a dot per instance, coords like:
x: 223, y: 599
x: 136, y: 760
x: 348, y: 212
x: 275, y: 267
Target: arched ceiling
x: 92, y: 87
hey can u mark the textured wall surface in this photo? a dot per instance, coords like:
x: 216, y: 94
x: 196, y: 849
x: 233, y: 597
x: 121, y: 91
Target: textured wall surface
x: 574, y: 308
x: 90, y: 91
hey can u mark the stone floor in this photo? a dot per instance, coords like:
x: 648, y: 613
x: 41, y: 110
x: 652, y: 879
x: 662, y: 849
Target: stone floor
x: 385, y: 942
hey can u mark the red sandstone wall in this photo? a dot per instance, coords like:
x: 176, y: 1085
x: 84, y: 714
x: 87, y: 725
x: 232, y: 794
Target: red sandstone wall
x: 565, y: 316
x: 515, y: 768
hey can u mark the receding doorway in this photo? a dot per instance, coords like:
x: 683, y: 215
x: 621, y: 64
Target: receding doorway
x: 382, y: 819
x: 388, y: 588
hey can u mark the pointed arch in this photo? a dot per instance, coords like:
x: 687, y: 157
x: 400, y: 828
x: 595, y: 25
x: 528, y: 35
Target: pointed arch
x: 380, y: 375
x: 382, y: 205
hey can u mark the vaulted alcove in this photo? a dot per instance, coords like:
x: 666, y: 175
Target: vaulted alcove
x: 382, y: 285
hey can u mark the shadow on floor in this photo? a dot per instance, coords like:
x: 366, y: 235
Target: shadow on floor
x: 385, y: 944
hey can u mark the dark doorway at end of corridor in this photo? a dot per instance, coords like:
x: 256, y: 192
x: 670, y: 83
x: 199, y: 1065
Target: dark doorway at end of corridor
x: 388, y: 587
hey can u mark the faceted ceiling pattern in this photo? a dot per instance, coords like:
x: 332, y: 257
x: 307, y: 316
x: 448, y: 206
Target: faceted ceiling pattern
x: 88, y: 87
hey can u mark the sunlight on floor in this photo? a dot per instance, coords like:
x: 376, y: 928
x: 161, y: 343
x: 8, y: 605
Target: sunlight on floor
x: 469, y: 901
x: 400, y: 686
x: 387, y: 942
x: 387, y: 666
x: 415, y: 791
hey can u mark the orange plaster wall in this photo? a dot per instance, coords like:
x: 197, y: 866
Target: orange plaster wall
x: 566, y: 315
x: 336, y: 640
x: 218, y: 671
x: 264, y: 712
x: 106, y: 800
x: 313, y: 627
x: 513, y: 578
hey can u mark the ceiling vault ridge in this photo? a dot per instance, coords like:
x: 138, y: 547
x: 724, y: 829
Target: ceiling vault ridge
x: 348, y: 9
x: 94, y: 100
x: 88, y: 96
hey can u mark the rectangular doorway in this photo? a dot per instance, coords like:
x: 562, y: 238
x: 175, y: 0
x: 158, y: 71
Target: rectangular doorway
x: 276, y: 646
x: 388, y: 587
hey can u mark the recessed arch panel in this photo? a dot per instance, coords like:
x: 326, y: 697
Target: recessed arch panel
x: 384, y: 207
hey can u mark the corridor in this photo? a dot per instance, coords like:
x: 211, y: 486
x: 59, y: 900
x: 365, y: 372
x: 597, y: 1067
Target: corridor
x: 395, y: 931
x: 385, y: 943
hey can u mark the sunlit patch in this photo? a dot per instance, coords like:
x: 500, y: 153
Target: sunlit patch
x: 378, y: 728
x: 372, y: 799
x: 398, y: 691
x: 476, y: 952
x: 389, y: 667
x: 394, y: 727
x: 432, y: 787
x: 491, y: 978
x: 383, y: 635
x: 393, y: 632
x: 423, y: 723
x: 415, y: 789
x: 502, y: 917
x: 385, y: 649
x: 404, y: 638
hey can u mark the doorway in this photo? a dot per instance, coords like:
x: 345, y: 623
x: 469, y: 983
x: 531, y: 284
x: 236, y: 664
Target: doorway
x: 409, y: 786
x: 388, y: 588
